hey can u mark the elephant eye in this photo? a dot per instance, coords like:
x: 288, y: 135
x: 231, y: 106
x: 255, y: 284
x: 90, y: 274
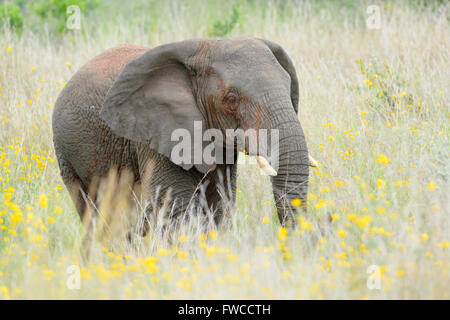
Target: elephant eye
x: 232, y: 99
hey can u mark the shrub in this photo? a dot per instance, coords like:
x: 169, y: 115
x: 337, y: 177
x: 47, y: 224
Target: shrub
x: 10, y: 14
x: 221, y: 29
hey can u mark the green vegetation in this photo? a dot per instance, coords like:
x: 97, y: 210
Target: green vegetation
x: 11, y: 16
x: 222, y: 28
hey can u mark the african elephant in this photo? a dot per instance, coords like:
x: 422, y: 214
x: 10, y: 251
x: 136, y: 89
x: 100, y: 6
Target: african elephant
x: 120, y: 109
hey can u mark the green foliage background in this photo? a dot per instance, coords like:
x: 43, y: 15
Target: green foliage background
x: 222, y: 18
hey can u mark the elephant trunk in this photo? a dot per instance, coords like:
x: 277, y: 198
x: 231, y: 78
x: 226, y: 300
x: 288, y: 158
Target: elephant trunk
x: 291, y: 181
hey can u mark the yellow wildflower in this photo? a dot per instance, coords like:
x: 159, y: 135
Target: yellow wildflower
x: 282, y: 234
x: 342, y: 233
x: 43, y: 201
x: 383, y: 159
x: 296, y: 202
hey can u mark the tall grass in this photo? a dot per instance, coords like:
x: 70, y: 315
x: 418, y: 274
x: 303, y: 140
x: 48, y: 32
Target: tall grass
x: 374, y: 107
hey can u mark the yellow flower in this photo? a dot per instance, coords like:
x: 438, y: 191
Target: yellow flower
x: 383, y: 159
x: 443, y: 245
x: 58, y: 210
x: 304, y: 224
x: 43, y: 201
x: 16, y: 218
x: 362, y: 222
x: 265, y: 220
x: 5, y: 291
x: 342, y: 233
x: 85, y: 274
x: 49, y: 274
x: 182, y: 255
x: 321, y: 204
x: 400, y: 273
x: 362, y: 248
x: 150, y: 265
x: 9, y: 49
x: 296, y: 202
x: 282, y: 234
x: 431, y: 186
x: 341, y: 255
x: 213, y: 234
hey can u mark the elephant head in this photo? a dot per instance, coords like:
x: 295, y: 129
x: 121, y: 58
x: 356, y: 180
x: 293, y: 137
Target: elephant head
x: 222, y: 84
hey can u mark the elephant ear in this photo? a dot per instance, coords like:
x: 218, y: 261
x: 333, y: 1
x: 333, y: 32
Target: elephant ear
x: 152, y: 97
x: 286, y: 63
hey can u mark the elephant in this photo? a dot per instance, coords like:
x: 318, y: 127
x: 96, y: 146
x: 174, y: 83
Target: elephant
x: 120, y: 109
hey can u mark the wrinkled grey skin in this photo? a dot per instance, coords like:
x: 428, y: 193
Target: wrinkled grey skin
x: 120, y: 108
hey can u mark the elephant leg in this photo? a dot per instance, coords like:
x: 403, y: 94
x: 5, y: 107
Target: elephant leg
x: 168, y: 186
x: 83, y: 201
x: 76, y: 188
x: 168, y: 189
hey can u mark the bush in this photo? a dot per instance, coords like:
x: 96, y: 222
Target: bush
x: 221, y: 29
x: 10, y: 15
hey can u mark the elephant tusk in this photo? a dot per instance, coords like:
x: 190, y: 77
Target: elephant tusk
x: 266, y: 168
x: 312, y: 162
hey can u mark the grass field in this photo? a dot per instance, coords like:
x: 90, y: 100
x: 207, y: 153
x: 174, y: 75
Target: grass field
x: 374, y: 107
